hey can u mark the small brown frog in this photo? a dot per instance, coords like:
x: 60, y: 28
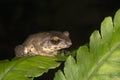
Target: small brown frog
x: 44, y: 44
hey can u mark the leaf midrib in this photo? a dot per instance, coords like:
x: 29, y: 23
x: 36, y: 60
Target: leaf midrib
x: 10, y: 68
x: 101, y: 61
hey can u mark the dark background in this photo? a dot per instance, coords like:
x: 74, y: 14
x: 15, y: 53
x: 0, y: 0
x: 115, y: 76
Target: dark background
x: 20, y: 18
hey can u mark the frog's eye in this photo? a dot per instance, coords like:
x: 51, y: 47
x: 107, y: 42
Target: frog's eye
x: 55, y: 40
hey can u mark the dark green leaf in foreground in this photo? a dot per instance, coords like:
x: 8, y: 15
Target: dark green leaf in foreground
x: 101, y: 59
x: 26, y: 68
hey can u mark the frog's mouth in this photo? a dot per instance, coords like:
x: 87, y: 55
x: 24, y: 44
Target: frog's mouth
x: 54, y: 48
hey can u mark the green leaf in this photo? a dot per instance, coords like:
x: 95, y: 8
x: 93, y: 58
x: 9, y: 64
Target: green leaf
x: 26, y: 68
x: 59, y: 76
x: 117, y: 19
x: 70, y: 71
x: 101, y: 59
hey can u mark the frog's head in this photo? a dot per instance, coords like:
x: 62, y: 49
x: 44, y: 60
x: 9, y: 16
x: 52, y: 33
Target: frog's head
x: 56, y: 41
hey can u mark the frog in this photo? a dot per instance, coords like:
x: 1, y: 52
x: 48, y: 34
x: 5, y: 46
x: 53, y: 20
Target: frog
x: 44, y: 44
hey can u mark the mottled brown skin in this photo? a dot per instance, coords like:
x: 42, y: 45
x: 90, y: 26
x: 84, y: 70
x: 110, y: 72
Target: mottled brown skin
x: 44, y: 44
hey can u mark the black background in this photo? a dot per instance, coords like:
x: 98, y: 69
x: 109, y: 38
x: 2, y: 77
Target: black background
x: 20, y: 18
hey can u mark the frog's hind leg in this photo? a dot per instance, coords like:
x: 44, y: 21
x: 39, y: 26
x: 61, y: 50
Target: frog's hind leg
x: 19, y: 51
